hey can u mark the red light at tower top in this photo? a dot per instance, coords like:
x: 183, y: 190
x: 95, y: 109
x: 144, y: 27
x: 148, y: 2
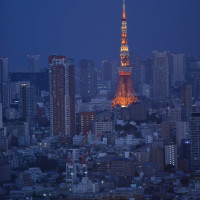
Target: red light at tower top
x: 125, y: 94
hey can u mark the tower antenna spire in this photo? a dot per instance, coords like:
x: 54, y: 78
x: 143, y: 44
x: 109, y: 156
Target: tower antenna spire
x: 124, y: 10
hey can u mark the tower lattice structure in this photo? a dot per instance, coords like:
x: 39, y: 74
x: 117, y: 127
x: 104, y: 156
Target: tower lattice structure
x: 125, y: 94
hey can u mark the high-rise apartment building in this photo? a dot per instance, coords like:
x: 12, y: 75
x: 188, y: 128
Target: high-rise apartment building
x: 88, y: 79
x: 62, y: 96
x: 195, y: 141
x: 160, y: 61
x: 33, y: 63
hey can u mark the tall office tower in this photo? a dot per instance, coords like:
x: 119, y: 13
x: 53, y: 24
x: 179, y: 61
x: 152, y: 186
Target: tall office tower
x: 28, y: 100
x: 4, y: 70
x: 108, y: 73
x: 184, y: 155
x: 1, y: 116
x: 171, y: 155
x: 193, y: 76
x: 186, y: 94
x: 4, y: 82
x: 160, y: 61
x: 88, y: 79
x: 62, y: 96
x: 195, y: 140
x: 124, y: 95
x: 33, y: 63
x: 178, y: 68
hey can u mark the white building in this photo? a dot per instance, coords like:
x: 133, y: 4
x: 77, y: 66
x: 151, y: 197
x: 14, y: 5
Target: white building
x: 171, y: 155
x: 86, y: 186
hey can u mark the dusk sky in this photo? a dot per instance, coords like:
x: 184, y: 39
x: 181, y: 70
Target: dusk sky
x: 90, y: 29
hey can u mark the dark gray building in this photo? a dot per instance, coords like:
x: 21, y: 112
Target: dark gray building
x: 195, y: 141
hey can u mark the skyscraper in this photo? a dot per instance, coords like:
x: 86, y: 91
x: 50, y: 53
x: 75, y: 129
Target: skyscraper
x: 88, y: 79
x: 195, y: 140
x: 178, y: 68
x: 4, y: 82
x: 28, y: 100
x: 62, y: 96
x: 186, y: 95
x: 124, y: 95
x: 135, y: 62
x: 33, y: 63
x: 193, y: 76
x: 160, y: 61
x: 3, y: 70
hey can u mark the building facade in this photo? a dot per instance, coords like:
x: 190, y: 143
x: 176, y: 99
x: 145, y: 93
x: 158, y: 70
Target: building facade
x: 62, y: 96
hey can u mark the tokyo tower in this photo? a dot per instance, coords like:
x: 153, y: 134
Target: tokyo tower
x: 124, y: 95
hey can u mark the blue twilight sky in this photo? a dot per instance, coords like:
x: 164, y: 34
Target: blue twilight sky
x: 90, y: 29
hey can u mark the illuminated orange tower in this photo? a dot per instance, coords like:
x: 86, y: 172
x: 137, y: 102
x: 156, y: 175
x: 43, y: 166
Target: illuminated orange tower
x: 125, y: 94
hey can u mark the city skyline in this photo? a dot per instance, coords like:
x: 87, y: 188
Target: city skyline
x: 99, y: 102
x: 29, y: 29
